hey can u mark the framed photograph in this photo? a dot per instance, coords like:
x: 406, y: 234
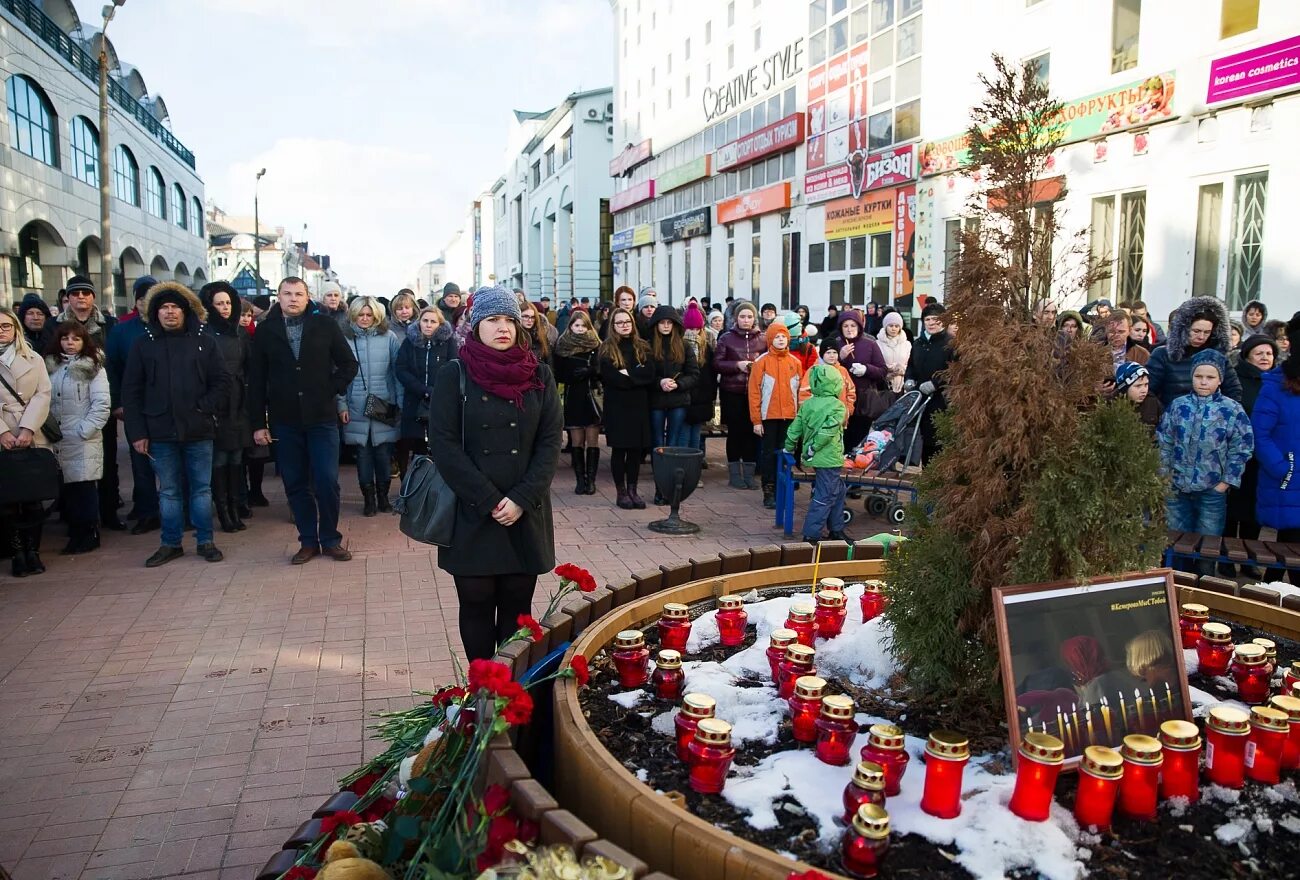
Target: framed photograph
x: 1091, y: 663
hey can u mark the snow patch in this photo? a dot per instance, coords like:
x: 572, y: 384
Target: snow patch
x: 754, y: 713
x: 1230, y: 833
x: 1281, y: 586
x: 628, y: 699
x: 1191, y: 660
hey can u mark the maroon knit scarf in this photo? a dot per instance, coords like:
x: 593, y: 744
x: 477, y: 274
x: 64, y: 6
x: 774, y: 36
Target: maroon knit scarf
x: 509, y: 374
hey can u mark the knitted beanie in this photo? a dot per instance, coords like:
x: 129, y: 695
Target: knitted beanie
x: 141, y: 286
x: 693, y: 318
x: 648, y: 298
x: 1126, y: 374
x: 1213, y: 358
x: 933, y: 309
x: 79, y: 283
x: 775, y: 329
x: 892, y: 319
x: 491, y: 301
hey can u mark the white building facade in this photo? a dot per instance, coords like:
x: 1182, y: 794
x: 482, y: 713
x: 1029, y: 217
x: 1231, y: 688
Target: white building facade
x: 468, y: 257
x: 429, y: 279
x: 49, y: 150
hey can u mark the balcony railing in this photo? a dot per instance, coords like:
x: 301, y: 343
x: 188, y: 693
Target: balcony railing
x: 40, y: 24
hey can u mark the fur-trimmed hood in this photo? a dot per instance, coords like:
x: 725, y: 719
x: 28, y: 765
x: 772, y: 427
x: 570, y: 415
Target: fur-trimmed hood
x: 174, y: 291
x: 83, y: 369
x: 214, y: 320
x: 442, y: 334
x: 1180, y: 325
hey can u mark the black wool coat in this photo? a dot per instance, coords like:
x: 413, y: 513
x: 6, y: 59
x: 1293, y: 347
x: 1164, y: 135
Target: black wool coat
x: 418, y: 363
x: 705, y: 392
x: 685, y: 371
x: 930, y: 358
x: 232, y: 413
x: 301, y: 391
x: 627, y: 401
x: 578, y: 374
x: 507, y: 452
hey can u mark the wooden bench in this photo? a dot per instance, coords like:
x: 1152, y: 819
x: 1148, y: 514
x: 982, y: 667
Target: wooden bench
x: 1232, y: 551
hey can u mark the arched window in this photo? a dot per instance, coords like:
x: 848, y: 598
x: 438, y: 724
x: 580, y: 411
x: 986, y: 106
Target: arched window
x: 154, y: 200
x: 31, y: 121
x: 126, y: 176
x: 178, y: 205
x: 196, y: 216
x: 85, y: 151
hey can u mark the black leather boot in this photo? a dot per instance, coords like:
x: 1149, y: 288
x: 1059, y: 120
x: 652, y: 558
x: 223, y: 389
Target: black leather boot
x: 381, y: 496
x: 637, y: 503
x: 370, y: 507
x: 578, y: 460
x: 32, y: 548
x: 220, y: 486
x: 593, y: 465
x: 234, y: 473
x: 18, y: 550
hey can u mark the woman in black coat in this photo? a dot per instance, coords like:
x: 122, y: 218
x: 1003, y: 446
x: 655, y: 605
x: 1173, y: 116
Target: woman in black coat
x: 234, y: 431
x: 497, y: 449
x: 676, y: 374
x: 1258, y: 356
x: 428, y: 345
x: 626, y: 374
x: 575, y: 368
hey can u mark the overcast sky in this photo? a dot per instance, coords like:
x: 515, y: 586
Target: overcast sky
x: 376, y: 120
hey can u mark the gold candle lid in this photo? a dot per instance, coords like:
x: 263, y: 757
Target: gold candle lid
x: 730, y: 602
x: 1269, y: 646
x: 629, y: 638
x: 836, y: 706
x: 869, y: 775
x: 1194, y: 611
x: 809, y: 687
x: 1228, y: 719
x: 698, y: 706
x: 1268, y: 718
x: 781, y: 638
x: 1294, y: 669
x: 797, y: 653
x: 1251, y: 654
x: 713, y: 731
x: 947, y: 745
x: 1103, y: 762
x: 831, y: 598
x: 831, y: 584
x: 1295, y: 688
x: 669, y: 659
x: 1181, y: 736
x: 1142, y: 749
x: 1043, y: 748
x: 1289, y: 705
x: 873, y: 586
x: 871, y: 821
x: 886, y: 736
x: 676, y: 611
x: 802, y: 613
x: 1220, y: 633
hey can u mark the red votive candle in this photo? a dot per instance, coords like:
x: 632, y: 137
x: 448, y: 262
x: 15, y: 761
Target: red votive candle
x: 946, y: 755
x: 778, y: 641
x: 1291, y: 750
x: 873, y: 600
x: 798, y: 662
x: 631, y: 659
x: 1269, y: 729
x: 1180, y: 775
x: 711, y: 755
x: 866, y: 841
x: 1100, y: 772
x: 1290, y: 677
x: 668, y: 680
x: 803, y: 620
x: 885, y: 746
x: 1250, y: 672
x: 695, y: 708
x: 674, y: 626
x: 866, y: 787
x: 830, y: 614
x: 835, y: 730
x: 805, y: 706
x: 831, y: 583
x: 1214, y: 648
x: 732, y: 620
x: 1190, y: 617
x: 1270, y: 653
x: 1139, y: 788
x: 1226, y: 732
x: 1041, y: 756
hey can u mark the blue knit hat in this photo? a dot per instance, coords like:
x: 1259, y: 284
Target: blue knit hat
x: 1127, y: 373
x: 491, y: 301
x: 140, y: 288
x: 1213, y: 358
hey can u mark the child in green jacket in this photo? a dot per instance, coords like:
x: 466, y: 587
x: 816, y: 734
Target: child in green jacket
x: 819, y: 427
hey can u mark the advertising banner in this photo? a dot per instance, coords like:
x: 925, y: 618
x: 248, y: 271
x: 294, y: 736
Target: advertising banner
x: 621, y: 240
x: 684, y: 174
x: 904, y: 243
x: 643, y: 234
x: 847, y: 218
x: 631, y: 157
x: 1255, y: 71
x: 686, y: 225
x: 633, y: 236
x: 860, y: 173
x: 923, y: 253
x: 633, y: 195
x: 760, y: 201
x: 775, y: 138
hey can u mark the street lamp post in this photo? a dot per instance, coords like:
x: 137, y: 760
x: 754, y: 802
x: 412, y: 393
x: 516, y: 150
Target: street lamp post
x: 257, y: 238
x: 105, y: 170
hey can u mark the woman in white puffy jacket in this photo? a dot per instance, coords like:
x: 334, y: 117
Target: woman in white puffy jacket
x: 896, y: 348
x: 80, y: 402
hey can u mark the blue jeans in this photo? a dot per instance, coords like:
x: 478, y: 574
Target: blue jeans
x: 668, y: 427
x: 144, y: 488
x: 1204, y: 512
x: 374, y: 463
x: 192, y: 461
x: 307, y: 457
x: 826, y: 509
x: 693, y: 437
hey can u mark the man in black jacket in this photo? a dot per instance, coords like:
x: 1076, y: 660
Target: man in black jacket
x: 300, y: 363
x: 927, y: 371
x: 175, y: 380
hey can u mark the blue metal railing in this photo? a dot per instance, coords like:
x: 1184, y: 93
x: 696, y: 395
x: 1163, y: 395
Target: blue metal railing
x: 40, y: 24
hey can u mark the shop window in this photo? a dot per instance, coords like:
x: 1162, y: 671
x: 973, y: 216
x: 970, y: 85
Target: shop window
x: 1120, y: 247
x: 858, y: 290
x: 880, y: 290
x: 859, y: 25
x: 909, y: 79
x: 760, y: 116
x: 840, y: 36
x: 817, y: 48
x: 881, y: 250
x: 880, y: 130
x: 907, y: 121
x: 909, y: 38
x: 1205, y: 266
x: 1041, y: 65
x: 882, y: 15
x: 838, y: 250
x: 881, y: 91
x: 1238, y: 17
x: 787, y: 102
x: 816, y: 15
x: 908, y: 7
x: 838, y: 6
x: 1246, y: 259
x: 816, y: 257
x: 858, y: 252
x: 1126, y: 23
x: 882, y: 50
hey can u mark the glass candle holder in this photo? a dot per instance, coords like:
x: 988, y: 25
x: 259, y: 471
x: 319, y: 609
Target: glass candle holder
x: 1190, y: 617
x: 1214, y: 648
x: 885, y: 746
x: 866, y: 841
x: 1291, y: 750
x: 805, y: 706
x: 1041, y: 756
x: 711, y: 755
x: 1226, y: 732
x: 1270, y: 653
x: 873, y: 600
x: 695, y: 708
x: 830, y: 583
x: 830, y: 613
x: 1139, y: 788
x: 674, y: 626
x: 798, y: 662
x: 803, y: 620
x: 1100, y: 772
x: 1269, y: 729
x: 946, y: 755
x: 778, y: 641
x: 1250, y: 672
x: 1290, y: 677
x: 631, y: 659
x: 866, y: 787
x: 1180, y: 775
x: 668, y: 680
x: 732, y: 620
x: 835, y: 730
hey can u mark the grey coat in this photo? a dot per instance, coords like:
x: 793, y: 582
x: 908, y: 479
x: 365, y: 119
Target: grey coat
x: 376, y: 354
x: 79, y: 399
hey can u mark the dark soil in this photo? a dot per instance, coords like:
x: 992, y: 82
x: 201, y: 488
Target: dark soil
x: 1133, y: 851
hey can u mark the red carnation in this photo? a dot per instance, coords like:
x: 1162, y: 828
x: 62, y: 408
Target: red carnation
x: 448, y: 695
x: 488, y: 675
x: 300, y: 872
x: 379, y: 809
x: 495, y: 800
x: 579, y: 576
x: 501, y: 830
x: 581, y: 672
x: 362, y: 785
x: 341, y: 819
x: 527, y: 621
x: 519, y: 709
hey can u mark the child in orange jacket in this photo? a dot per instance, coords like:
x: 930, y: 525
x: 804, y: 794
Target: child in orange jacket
x: 773, y: 399
x: 831, y: 358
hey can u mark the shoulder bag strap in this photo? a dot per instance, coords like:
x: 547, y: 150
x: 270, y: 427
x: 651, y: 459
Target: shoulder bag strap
x: 365, y: 386
x: 23, y: 403
x: 460, y: 372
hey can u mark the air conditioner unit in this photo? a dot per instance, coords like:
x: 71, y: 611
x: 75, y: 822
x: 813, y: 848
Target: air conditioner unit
x: 591, y: 113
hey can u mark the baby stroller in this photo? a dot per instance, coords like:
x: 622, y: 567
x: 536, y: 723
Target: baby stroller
x: 903, y: 422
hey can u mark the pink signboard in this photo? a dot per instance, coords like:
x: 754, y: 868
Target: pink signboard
x: 633, y: 195
x: 775, y: 138
x: 1254, y: 71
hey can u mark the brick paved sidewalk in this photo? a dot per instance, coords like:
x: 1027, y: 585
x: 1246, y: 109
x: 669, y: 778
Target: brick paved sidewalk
x: 182, y: 721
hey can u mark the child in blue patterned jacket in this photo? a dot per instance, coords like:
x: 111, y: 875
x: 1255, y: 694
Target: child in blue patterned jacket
x: 1205, y: 441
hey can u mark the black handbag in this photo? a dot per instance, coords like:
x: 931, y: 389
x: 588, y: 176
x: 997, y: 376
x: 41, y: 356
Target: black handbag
x: 53, y: 433
x: 376, y: 407
x: 426, y: 503
x: 30, y: 474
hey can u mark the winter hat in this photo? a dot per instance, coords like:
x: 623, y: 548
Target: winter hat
x: 1211, y: 357
x: 933, y: 309
x: 648, y: 298
x: 1253, y: 342
x: 893, y: 319
x: 142, y: 285
x: 775, y: 329
x: 828, y: 344
x: 666, y: 313
x: 330, y: 287
x: 491, y: 301
x: 79, y: 283
x: 792, y: 322
x: 1127, y: 373
x: 1240, y: 328
x: 32, y: 301
x: 693, y: 319
x: 450, y: 287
